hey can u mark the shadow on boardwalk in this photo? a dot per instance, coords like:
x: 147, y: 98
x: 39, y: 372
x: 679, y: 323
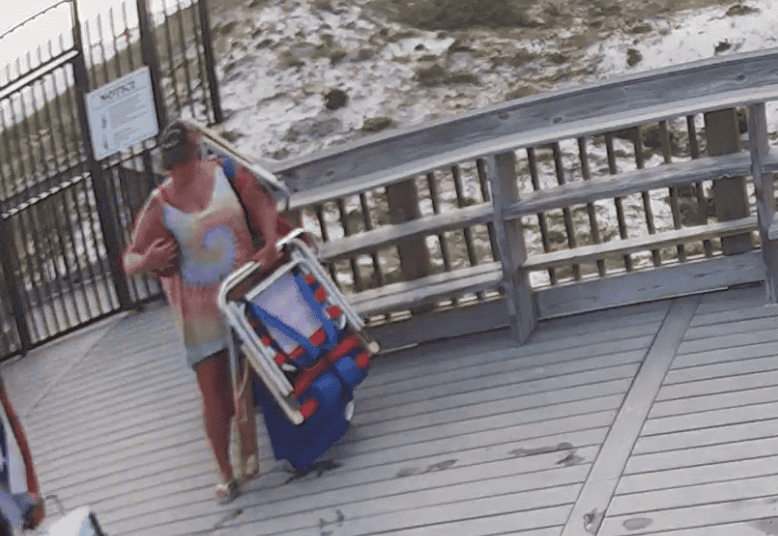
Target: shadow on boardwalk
x: 657, y: 418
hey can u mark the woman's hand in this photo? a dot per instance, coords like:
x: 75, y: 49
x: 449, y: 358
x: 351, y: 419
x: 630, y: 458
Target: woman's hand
x: 267, y: 256
x: 162, y: 256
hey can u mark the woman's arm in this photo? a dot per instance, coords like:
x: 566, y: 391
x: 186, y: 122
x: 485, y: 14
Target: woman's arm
x: 152, y: 247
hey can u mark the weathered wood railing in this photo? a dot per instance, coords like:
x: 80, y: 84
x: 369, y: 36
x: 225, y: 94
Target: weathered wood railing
x: 493, y: 139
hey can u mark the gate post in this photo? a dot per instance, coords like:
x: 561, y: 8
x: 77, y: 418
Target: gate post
x: 8, y: 259
x: 108, y: 224
x: 150, y: 59
x: 210, y: 58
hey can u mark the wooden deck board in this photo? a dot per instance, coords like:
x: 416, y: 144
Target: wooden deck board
x: 471, y: 436
x: 503, y: 426
x: 705, y: 462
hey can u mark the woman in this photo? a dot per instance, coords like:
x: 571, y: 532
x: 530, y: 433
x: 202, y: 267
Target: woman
x: 193, y: 232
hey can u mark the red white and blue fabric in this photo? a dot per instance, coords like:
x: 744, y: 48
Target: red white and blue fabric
x: 325, y: 355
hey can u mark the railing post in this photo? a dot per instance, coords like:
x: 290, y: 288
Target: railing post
x: 403, y: 200
x: 730, y: 195
x: 13, y: 287
x: 765, y: 195
x: 108, y: 224
x: 513, y: 250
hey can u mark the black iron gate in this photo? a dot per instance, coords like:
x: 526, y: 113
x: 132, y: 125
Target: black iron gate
x: 65, y: 217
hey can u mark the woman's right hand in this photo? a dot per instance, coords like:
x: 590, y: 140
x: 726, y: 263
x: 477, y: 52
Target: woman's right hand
x: 162, y: 256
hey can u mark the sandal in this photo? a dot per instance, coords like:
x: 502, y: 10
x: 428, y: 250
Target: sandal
x: 227, y: 491
x: 250, y: 469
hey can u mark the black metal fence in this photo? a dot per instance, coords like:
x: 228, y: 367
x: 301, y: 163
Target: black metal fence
x: 65, y: 217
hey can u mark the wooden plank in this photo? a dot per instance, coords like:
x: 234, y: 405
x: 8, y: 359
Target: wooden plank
x: 441, y: 325
x: 522, y: 308
x: 481, y: 526
x: 381, y: 499
x: 728, y: 384
x: 429, y: 517
x: 704, y: 419
x: 79, y: 410
x: 499, y: 361
x: 649, y: 285
x: 695, y: 87
x: 714, y: 401
x: 174, y: 434
x: 681, y: 478
x: 538, y: 138
x: 592, y: 253
x: 733, y: 340
x: 450, y: 483
x: 723, y: 367
x: 765, y: 195
x: 736, y: 449
x: 369, y: 241
x: 536, y: 459
x: 668, y: 175
x: 732, y: 433
x: 382, y: 438
x: 384, y: 418
x: 755, y: 527
x: 504, y: 435
x: 749, y: 325
x: 535, y: 386
x: 322, y: 187
x: 534, y: 467
x: 90, y: 419
x: 615, y: 452
x: 694, y: 495
x: 732, y: 299
x: 548, y: 370
x: 478, y: 350
x: 434, y: 287
x: 698, y: 516
x: 723, y: 317
x: 629, y: 356
x: 548, y: 330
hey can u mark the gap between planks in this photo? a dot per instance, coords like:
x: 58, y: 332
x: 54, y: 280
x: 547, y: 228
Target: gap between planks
x: 593, y: 501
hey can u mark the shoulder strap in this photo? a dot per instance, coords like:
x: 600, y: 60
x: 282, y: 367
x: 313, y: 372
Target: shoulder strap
x: 164, y: 195
x: 230, y: 171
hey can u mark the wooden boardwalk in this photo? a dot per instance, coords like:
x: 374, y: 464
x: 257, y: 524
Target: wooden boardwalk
x: 657, y: 418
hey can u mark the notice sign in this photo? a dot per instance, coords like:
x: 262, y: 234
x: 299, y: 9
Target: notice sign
x: 122, y: 113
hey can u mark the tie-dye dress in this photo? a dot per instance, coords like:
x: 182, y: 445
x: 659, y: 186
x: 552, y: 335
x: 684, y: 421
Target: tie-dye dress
x: 213, y: 243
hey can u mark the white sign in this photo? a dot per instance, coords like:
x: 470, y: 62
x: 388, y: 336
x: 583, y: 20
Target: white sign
x: 122, y: 113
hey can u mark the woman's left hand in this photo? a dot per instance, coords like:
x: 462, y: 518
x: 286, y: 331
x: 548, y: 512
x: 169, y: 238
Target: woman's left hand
x: 267, y: 256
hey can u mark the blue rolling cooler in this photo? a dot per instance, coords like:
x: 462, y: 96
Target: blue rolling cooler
x: 306, y: 345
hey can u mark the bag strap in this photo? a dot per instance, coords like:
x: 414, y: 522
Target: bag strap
x: 230, y: 171
x: 310, y: 299
x: 273, y: 321
x: 270, y: 320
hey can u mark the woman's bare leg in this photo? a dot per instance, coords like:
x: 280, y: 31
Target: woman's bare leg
x: 213, y: 378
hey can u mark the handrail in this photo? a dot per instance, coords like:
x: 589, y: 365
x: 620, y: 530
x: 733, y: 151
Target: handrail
x: 655, y: 92
x: 491, y: 138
